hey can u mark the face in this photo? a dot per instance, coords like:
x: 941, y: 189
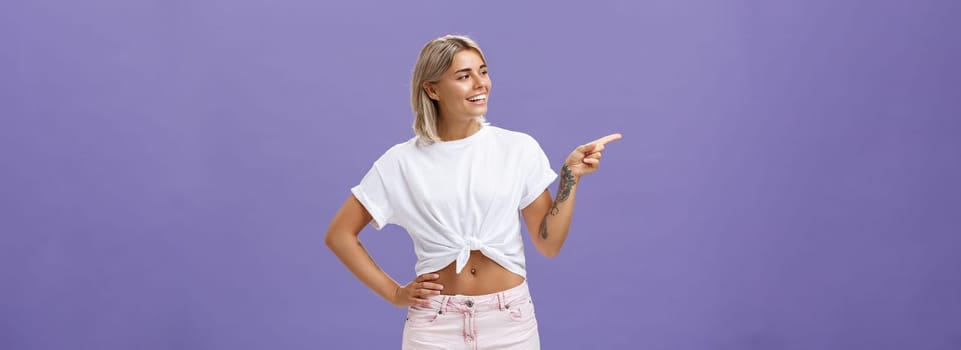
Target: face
x: 461, y: 93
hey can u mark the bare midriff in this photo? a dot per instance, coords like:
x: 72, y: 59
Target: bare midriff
x: 481, y: 276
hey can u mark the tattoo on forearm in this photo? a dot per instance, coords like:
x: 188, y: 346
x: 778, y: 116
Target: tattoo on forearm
x: 567, y: 183
x: 544, y: 226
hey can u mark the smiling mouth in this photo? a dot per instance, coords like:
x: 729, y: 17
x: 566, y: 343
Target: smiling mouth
x: 478, y: 98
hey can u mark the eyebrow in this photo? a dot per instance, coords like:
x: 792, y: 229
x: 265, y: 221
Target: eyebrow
x: 469, y: 69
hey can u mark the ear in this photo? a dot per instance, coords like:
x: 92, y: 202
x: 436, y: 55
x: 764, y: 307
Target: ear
x: 429, y: 88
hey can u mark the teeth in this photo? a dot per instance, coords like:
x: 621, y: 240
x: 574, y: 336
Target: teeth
x: 477, y: 98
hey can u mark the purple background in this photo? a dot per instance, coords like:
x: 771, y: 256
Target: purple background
x: 788, y: 177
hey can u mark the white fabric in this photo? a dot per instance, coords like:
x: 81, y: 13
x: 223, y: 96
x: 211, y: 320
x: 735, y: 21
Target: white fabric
x: 457, y: 196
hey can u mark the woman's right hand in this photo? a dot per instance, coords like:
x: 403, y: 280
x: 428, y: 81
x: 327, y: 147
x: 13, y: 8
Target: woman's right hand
x: 418, y: 291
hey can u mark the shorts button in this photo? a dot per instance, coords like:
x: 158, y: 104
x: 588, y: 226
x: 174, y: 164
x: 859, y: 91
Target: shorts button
x: 470, y: 303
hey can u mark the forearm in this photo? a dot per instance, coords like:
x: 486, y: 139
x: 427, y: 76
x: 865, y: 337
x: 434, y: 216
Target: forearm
x: 557, y: 221
x: 353, y: 254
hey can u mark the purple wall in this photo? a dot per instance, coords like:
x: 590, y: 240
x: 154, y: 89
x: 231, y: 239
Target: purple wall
x: 788, y: 177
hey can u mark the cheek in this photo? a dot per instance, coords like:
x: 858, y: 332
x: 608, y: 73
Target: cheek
x: 456, y: 94
x: 448, y: 91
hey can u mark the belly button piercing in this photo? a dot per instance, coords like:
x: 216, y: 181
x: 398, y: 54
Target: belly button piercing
x: 473, y: 270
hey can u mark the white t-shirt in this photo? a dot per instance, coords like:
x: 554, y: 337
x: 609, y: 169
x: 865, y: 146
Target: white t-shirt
x: 457, y: 196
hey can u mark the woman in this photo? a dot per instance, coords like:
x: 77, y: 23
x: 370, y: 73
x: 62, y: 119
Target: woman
x: 457, y: 187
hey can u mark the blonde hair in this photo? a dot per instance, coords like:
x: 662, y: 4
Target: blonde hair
x: 435, y: 58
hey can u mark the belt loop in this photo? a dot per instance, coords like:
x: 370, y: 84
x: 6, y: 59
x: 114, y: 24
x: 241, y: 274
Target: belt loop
x: 443, y: 303
x: 500, y: 301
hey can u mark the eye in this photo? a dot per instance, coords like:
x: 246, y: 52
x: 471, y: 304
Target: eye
x: 484, y: 73
x: 462, y: 77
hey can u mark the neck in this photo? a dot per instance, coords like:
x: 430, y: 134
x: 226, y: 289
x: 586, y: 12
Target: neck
x: 450, y: 131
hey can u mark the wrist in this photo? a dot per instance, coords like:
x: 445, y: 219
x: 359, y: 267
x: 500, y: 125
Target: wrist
x: 392, y: 295
x: 568, y: 174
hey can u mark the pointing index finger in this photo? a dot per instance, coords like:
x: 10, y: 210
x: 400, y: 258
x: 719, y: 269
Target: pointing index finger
x: 606, y: 139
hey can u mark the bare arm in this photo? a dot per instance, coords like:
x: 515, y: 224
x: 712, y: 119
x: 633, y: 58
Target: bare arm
x: 342, y: 239
x: 548, y: 221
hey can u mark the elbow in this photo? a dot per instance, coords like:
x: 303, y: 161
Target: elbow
x: 328, y: 241
x: 333, y: 240
x: 339, y: 238
x: 550, y: 252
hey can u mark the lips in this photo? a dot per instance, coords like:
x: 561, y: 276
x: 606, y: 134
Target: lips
x: 477, y: 98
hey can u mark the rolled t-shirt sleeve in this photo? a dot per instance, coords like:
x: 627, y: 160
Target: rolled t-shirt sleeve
x: 372, y: 194
x: 537, y: 174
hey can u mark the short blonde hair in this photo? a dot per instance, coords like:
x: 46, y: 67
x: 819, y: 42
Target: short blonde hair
x: 435, y: 58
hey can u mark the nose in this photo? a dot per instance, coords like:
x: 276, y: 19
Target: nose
x: 481, y: 81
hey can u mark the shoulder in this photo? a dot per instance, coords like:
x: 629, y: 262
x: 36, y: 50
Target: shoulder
x: 397, y: 152
x: 516, y: 138
x: 517, y: 145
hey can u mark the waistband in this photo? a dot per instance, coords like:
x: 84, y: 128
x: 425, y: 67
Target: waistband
x: 494, y: 301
